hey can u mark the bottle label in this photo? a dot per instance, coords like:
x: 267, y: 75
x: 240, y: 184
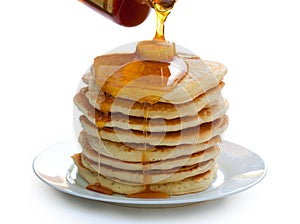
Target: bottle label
x: 105, y: 5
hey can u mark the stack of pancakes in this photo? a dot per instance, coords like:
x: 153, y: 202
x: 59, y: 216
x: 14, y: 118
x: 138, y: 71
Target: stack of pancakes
x: 135, y: 141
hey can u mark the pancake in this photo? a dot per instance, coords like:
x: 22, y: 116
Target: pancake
x: 122, y: 121
x: 189, y: 185
x: 168, y: 164
x: 192, y: 135
x: 114, y: 78
x: 147, y: 176
x: 134, y: 152
x: 106, y: 103
x: 165, y: 164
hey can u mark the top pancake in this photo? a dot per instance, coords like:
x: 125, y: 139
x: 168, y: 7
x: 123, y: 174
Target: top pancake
x: 201, y: 76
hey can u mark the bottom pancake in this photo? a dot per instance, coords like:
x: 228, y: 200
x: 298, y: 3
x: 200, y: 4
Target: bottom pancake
x: 192, y: 184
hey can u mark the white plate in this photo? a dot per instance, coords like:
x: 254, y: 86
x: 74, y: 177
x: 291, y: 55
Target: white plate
x: 239, y: 169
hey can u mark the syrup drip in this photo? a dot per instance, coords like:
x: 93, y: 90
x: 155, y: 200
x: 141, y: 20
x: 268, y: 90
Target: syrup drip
x: 93, y: 187
x: 162, y: 9
x: 100, y: 189
x: 146, y: 164
x: 148, y: 193
x: 101, y: 118
x: 147, y: 179
x: 106, y: 104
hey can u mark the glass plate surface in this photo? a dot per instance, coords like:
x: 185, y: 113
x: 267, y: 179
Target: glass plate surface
x: 239, y: 169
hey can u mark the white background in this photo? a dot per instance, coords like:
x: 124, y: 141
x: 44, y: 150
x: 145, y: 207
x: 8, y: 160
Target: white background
x: 45, y: 47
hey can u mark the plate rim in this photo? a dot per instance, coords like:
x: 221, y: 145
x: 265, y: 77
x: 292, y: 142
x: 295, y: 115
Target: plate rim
x: 122, y: 200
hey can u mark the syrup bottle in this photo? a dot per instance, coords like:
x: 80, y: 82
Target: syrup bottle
x: 127, y: 13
